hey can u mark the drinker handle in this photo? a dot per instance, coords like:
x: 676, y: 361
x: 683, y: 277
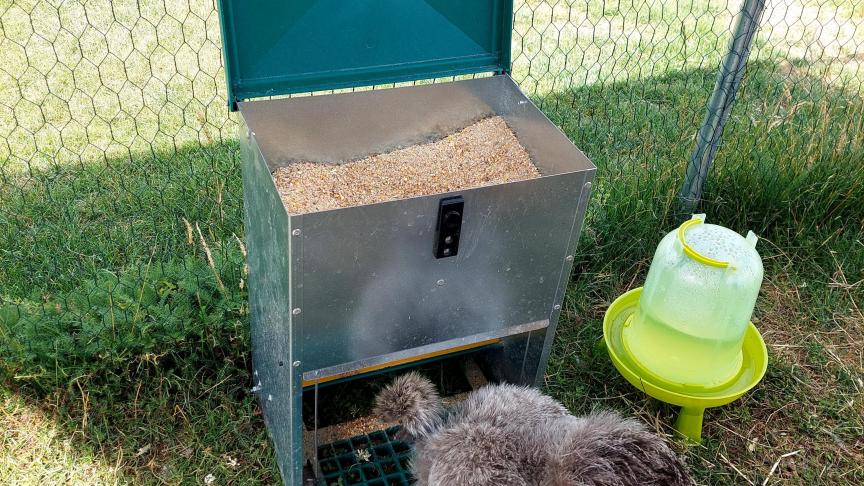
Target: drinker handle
x: 751, y: 239
x: 690, y: 251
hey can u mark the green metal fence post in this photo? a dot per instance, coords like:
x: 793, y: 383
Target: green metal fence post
x: 720, y: 104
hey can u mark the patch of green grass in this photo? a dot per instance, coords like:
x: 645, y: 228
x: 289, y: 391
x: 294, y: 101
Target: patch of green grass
x: 32, y: 440
x: 107, y: 264
x: 171, y: 427
x: 124, y: 329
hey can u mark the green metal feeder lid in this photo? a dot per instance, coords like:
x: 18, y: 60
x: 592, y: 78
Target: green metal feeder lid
x: 294, y: 46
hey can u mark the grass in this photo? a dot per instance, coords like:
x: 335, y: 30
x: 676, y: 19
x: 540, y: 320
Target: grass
x: 124, y: 352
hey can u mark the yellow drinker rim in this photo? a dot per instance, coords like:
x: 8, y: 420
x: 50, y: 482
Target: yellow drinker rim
x: 691, y: 252
x: 754, y: 366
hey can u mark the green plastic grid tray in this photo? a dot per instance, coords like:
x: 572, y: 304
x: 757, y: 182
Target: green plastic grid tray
x: 386, y: 461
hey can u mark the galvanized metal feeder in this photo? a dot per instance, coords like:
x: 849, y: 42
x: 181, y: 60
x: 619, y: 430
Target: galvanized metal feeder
x: 345, y: 293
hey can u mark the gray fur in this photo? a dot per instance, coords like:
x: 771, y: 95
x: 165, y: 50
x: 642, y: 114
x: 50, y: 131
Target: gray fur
x: 507, y: 435
x: 413, y: 401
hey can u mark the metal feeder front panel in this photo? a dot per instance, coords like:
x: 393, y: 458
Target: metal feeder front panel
x: 351, y: 291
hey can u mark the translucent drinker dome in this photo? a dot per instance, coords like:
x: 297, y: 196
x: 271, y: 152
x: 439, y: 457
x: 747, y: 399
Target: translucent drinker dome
x: 696, y: 305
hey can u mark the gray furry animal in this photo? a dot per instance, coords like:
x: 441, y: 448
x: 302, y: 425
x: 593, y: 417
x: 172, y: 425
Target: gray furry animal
x: 507, y: 435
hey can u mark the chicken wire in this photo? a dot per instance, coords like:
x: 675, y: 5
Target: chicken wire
x: 120, y: 195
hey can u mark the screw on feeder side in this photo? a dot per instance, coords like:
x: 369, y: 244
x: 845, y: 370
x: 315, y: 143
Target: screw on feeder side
x: 569, y: 258
x: 296, y: 311
x: 557, y: 307
x: 296, y: 364
x: 296, y: 232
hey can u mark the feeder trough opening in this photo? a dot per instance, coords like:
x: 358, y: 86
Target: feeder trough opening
x: 355, y: 447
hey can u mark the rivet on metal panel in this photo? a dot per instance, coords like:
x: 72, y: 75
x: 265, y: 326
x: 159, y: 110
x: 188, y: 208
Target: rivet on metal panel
x: 296, y: 232
x: 569, y: 258
x: 296, y: 364
x: 296, y: 311
x: 441, y: 282
x: 557, y: 307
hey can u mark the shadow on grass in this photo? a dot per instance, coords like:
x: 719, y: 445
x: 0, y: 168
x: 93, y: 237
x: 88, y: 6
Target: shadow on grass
x: 123, y: 313
x: 116, y: 323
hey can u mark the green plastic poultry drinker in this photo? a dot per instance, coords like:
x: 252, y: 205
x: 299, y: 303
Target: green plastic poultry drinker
x: 686, y: 337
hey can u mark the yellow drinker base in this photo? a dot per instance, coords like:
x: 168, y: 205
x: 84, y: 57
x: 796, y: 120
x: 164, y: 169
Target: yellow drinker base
x: 693, y: 400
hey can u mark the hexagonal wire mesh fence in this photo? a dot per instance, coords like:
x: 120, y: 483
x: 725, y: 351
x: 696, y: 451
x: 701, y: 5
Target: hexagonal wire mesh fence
x: 120, y: 199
